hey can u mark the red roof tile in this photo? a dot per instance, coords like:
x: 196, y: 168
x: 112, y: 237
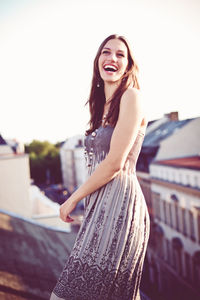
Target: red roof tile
x: 183, y: 162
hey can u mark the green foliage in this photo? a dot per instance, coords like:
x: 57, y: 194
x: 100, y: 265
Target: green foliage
x: 44, y: 162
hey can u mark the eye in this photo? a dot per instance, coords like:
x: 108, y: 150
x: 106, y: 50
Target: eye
x: 120, y: 54
x: 105, y: 52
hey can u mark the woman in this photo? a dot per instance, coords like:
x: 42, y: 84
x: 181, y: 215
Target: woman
x: 107, y: 258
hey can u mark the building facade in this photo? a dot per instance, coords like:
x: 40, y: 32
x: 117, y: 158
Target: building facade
x: 73, y: 163
x: 168, y: 172
x: 173, y: 256
x: 14, y: 180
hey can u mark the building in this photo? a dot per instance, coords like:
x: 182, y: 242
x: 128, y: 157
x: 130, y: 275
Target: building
x: 73, y: 163
x: 172, y: 187
x: 14, y: 180
x: 18, y: 195
x: 157, y: 132
x: 183, y: 142
x: 174, y: 251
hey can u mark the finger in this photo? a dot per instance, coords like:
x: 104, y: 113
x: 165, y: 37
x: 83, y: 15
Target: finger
x: 69, y: 219
x: 65, y: 218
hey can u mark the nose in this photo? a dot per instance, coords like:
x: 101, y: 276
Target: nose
x: 113, y: 56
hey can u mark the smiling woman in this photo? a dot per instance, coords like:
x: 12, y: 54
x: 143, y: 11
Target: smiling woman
x: 113, y: 53
x: 113, y: 60
x: 107, y: 258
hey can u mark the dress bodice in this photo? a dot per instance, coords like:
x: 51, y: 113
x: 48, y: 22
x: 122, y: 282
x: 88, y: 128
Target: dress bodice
x: 97, y: 145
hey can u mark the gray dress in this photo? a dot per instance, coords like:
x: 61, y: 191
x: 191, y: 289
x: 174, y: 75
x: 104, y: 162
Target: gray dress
x: 107, y: 258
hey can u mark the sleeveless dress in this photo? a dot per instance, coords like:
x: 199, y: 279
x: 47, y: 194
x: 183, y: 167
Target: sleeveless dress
x: 107, y: 258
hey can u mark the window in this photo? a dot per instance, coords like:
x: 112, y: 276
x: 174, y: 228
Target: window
x: 168, y: 258
x: 196, y: 269
x: 156, y: 204
x: 180, y: 178
x: 198, y: 224
x: 165, y: 211
x: 188, y: 180
x: 183, y: 213
x: 154, y: 273
x: 174, y: 211
x: 158, y: 208
x: 177, y: 255
x: 147, y: 193
x: 191, y: 220
x: 160, y: 242
x: 170, y: 215
x: 187, y: 266
x: 196, y: 181
x: 176, y: 216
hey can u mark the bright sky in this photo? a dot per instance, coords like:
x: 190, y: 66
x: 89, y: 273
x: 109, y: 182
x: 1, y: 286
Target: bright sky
x: 47, y: 48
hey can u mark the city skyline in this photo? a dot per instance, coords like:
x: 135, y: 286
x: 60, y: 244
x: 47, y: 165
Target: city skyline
x: 47, y: 51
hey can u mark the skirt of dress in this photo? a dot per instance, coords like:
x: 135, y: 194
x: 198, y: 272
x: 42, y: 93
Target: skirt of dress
x: 107, y: 258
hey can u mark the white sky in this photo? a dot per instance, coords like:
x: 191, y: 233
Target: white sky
x: 47, y: 48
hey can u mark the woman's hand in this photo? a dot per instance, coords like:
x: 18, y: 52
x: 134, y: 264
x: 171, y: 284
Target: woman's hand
x: 66, y: 208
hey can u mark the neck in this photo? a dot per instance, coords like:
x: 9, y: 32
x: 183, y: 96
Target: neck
x: 109, y: 89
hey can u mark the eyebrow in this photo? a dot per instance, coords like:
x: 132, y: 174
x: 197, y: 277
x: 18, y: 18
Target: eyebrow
x: 110, y: 49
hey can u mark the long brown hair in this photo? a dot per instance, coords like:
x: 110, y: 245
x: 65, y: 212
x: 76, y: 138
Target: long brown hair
x: 97, y: 96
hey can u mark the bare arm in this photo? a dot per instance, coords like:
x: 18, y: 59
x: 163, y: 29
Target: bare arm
x: 123, y: 137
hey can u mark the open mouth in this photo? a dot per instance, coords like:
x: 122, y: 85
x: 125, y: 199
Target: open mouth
x: 110, y: 68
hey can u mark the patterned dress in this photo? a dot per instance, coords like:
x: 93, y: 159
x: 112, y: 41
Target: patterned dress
x: 107, y: 258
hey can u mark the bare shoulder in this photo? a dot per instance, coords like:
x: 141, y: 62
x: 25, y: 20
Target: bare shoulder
x: 132, y: 104
x: 131, y: 93
x: 131, y: 98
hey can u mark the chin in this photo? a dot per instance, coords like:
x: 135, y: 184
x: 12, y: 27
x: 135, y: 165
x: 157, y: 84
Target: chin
x: 112, y: 81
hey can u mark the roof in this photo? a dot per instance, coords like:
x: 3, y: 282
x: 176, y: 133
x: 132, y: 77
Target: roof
x: 153, y: 138
x: 183, y: 143
x: 184, y: 162
x: 2, y: 141
x: 31, y: 257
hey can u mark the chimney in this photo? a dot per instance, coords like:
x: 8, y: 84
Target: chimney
x: 172, y: 116
x: 80, y: 144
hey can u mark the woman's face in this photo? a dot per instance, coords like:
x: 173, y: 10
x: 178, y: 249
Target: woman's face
x: 113, y: 61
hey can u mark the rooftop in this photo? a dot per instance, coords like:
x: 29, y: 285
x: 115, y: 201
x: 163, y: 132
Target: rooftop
x: 2, y: 141
x: 184, y: 162
x: 31, y: 257
x: 154, y: 137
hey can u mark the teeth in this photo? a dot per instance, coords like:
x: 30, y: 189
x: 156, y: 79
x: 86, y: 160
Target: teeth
x: 110, y: 67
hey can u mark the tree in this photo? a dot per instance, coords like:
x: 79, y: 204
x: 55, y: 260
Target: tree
x: 45, y: 163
